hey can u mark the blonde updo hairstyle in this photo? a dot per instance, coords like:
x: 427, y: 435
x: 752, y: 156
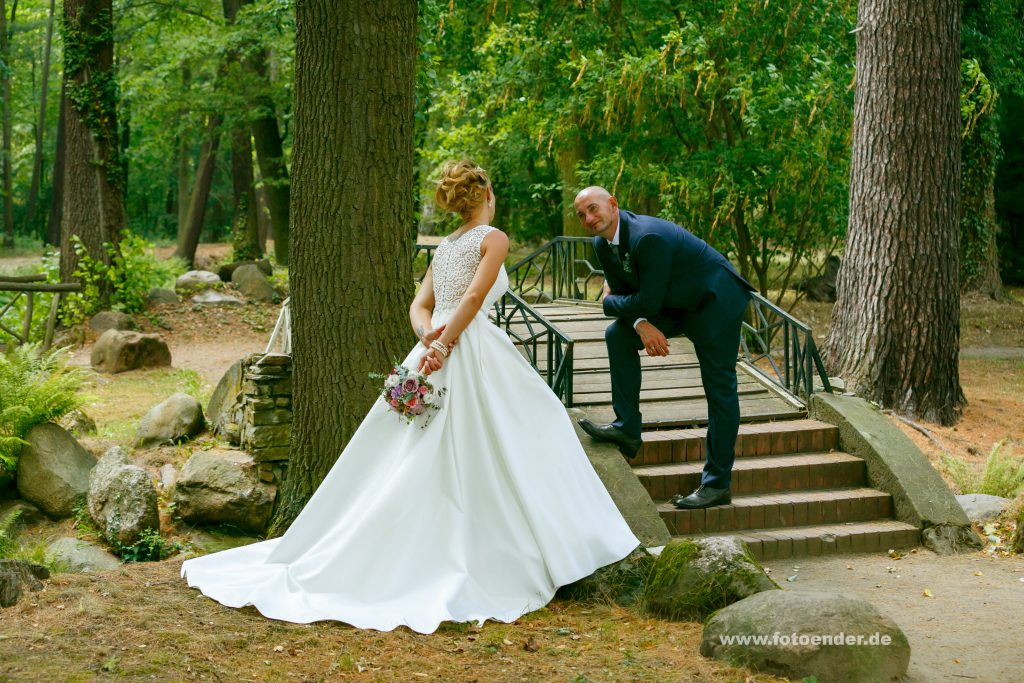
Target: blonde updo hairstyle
x: 462, y: 187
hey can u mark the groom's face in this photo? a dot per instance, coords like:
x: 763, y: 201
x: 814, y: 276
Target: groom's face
x: 599, y: 214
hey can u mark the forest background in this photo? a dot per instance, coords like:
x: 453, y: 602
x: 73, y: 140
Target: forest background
x: 732, y: 119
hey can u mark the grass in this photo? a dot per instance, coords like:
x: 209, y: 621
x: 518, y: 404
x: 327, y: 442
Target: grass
x: 128, y: 396
x: 1002, y: 473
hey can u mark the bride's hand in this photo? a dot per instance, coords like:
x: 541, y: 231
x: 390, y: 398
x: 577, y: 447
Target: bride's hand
x: 432, y: 361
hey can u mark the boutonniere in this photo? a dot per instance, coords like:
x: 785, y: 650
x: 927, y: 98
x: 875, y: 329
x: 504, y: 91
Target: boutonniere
x: 627, y: 263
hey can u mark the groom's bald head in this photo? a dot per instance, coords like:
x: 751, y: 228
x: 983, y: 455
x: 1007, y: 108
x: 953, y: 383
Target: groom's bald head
x: 598, y: 211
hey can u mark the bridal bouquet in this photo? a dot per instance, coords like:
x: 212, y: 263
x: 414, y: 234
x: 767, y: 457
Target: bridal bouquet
x: 409, y: 394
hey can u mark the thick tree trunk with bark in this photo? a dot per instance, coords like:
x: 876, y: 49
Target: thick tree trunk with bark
x: 37, y: 160
x: 188, y: 238
x: 93, y: 175
x: 896, y: 324
x: 56, y: 217
x: 979, y: 257
x: 351, y: 270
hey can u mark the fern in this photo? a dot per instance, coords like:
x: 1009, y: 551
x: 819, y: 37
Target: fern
x: 1001, y: 475
x: 35, y: 387
x: 7, y: 533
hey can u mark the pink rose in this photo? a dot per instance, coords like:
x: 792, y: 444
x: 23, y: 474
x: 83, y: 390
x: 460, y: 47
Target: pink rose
x: 410, y: 385
x: 423, y: 390
x: 394, y: 403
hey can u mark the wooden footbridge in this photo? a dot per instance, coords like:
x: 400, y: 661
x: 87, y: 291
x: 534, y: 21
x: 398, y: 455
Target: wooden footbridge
x: 794, y: 491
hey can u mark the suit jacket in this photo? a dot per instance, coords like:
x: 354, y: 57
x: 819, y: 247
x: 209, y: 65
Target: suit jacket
x: 663, y: 269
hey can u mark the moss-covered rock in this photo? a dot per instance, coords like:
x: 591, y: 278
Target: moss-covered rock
x: 694, y: 577
x: 621, y: 583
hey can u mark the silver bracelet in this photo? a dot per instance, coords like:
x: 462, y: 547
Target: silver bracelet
x: 439, y: 346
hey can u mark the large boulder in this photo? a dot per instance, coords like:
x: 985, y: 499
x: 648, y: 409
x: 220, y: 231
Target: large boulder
x: 16, y: 575
x: 116, y: 351
x: 981, y: 507
x: 78, y: 423
x: 224, y: 410
x: 223, y: 488
x: 215, y: 299
x: 251, y: 282
x: 196, y: 281
x: 121, y: 498
x: 111, y: 320
x: 159, y: 295
x: 228, y: 269
x: 829, y: 636
x: 178, y: 418
x: 694, y: 577
x: 53, y: 470
x: 81, y: 556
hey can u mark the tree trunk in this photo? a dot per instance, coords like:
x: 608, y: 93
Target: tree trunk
x: 37, y: 160
x: 351, y: 271
x: 895, y: 326
x: 245, y: 226
x: 56, y: 218
x: 93, y: 180
x: 979, y: 257
x: 5, y: 85
x: 273, y: 171
x: 184, y: 170
x: 567, y: 159
x: 188, y: 239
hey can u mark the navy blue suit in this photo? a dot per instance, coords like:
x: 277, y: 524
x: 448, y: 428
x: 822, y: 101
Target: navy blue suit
x: 666, y: 274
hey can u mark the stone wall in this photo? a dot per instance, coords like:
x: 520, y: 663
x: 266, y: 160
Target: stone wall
x: 252, y: 408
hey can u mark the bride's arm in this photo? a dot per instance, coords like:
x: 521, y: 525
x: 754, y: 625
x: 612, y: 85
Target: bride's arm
x: 422, y: 307
x: 493, y: 250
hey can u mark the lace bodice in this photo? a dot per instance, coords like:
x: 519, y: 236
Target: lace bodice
x: 455, y: 263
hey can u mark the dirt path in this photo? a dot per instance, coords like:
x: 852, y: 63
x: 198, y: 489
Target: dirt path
x: 970, y: 630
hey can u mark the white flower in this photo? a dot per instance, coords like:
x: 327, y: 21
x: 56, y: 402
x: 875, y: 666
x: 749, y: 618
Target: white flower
x: 428, y: 398
x: 391, y: 381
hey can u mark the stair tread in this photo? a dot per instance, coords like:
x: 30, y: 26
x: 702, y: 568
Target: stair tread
x: 794, y: 425
x: 749, y: 463
x: 791, y: 497
x: 839, y: 528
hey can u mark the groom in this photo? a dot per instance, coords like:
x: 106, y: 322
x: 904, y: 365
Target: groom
x: 661, y: 281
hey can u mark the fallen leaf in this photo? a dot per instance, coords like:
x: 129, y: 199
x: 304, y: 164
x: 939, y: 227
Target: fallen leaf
x: 850, y: 567
x: 506, y: 641
x: 279, y: 648
x: 791, y: 579
x: 927, y: 593
x: 531, y: 645
x: 978, y: 574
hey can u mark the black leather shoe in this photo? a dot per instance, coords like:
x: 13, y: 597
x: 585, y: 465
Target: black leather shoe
x: 629, y: 446
x: 703, y: 497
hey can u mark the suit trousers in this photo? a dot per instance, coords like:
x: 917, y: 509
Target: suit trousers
x: 716, y: 354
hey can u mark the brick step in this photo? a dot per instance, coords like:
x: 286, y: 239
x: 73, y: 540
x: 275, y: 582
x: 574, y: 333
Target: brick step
x: 664, y: 446
x: 798, y: 509
x: 774, y: 473
x: 827, y: 539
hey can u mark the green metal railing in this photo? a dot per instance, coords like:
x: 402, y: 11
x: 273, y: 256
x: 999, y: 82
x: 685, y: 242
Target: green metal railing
x: 782, y: 349
x: 564, y: 268
x: 547, y: 348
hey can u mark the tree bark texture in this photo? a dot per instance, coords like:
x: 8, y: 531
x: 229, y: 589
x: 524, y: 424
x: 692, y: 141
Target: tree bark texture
x: 93, y: 175
x: 351, y: 270
x: 37, y: 159
x: 896, y: 324
x: 245, y: 225
x: 188, y: 239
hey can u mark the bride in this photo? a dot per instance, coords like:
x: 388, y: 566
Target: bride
x: 481, y: 513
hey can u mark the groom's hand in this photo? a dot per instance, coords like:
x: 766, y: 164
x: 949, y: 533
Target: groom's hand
x: 654, y: 341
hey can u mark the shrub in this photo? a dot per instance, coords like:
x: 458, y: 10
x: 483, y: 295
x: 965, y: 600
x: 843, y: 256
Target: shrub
x: 132, y: 272
x: 151, y: 547
x: 35, y: 387
x: 1000, y: 475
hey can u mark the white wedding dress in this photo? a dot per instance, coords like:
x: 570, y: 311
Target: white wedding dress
x: 481, y: 515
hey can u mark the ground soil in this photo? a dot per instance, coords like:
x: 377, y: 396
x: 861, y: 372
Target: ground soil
x: 141, y: 622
